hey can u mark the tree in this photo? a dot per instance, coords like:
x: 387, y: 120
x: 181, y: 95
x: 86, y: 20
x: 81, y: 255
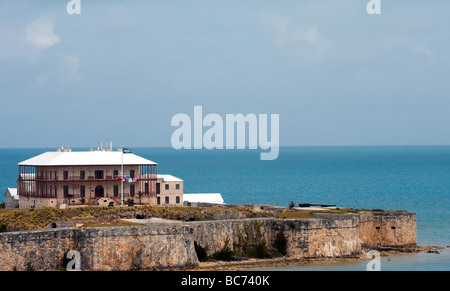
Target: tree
x: 291, y: 205
x: 280, y: 243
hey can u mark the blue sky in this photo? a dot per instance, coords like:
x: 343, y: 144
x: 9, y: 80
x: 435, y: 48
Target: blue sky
x: 122, y: 69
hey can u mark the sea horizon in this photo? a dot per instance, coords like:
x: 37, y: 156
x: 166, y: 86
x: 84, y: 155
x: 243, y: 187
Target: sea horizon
x: 412, y: 178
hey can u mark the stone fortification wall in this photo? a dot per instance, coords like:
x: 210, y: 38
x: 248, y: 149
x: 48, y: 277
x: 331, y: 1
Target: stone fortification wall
x: 159, y: 247
x: 115, y: 248
x: 388, y: 228
x: 314, y: 238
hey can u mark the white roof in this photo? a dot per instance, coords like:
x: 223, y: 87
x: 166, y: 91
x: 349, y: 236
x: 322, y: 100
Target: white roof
x: 204, y: 198
x: 12, y: 192
x: 169, y: 178
x: 94, y: 158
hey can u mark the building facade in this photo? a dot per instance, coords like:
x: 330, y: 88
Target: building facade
x: 11, y: 198
x: 65, y: 177
x: 169, y: 191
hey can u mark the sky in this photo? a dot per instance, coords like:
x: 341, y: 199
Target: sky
x: 122, y: 69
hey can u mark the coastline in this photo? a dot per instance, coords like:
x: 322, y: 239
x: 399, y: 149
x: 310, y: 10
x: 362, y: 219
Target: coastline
x: 258, y: 263
x: 288, y: 261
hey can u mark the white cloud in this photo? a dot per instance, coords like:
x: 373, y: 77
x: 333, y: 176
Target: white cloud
x: 71, y: 64
x: 305, y: 41
x: 41, y: 33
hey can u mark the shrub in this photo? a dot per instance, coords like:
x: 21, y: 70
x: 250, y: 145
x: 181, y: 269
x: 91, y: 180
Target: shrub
x: 259, y: 251
x: 225, y: 254
x: 291, y: 204
x: 280, y: 243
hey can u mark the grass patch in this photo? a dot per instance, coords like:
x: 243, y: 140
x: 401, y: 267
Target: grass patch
x: 303, y: 214
x: 33, y: 219
x: 113, y: 223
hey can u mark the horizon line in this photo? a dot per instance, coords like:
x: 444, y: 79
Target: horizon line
x: 283, y: 146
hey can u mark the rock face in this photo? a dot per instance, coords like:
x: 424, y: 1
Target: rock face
x: 171, y: 246
x: 388, y: 228
x: 115, y: 248
x: 316, y: 238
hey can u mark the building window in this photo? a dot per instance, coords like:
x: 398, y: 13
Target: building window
x: 66, y: 175
x: 99, y: 175
x: 116, y: 174
x: 82, y: 175
x: 177, y: 186
x: 178, y: 199
x: 131, y: 173
x: 158, y: 188
x: 167, y: 200
x: 116, y: 190
x: 82, y: 191
x: 146, y: 188
x: 158, y: 200
x: 167, y: 186
x: 132, y: 190
x: 66, y: 190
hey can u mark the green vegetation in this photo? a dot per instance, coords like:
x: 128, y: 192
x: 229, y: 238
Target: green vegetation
x: 112, y: 223
x: 280, y: 243
x: 225, y: 254
x: 249, y: 243
x: 258, y: 251
x: 32, y: 219
x: 303, y: 214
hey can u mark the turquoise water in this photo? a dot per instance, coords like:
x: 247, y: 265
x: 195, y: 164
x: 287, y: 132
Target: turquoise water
x: 412, y: 178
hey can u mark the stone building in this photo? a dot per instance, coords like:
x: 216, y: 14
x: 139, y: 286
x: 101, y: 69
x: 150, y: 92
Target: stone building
x: 65, y: 177
x: 11, y: 198
x: 169, y: 190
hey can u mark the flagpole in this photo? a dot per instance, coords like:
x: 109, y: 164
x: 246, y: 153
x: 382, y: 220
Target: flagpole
x: 121, y: 181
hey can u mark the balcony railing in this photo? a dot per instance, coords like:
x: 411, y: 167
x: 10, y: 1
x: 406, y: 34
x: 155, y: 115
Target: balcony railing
x: 80, y: 179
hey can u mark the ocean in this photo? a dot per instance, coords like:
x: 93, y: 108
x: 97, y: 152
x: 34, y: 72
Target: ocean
x: 413, y: 178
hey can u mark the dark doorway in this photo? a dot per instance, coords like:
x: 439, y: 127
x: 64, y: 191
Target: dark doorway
x: 99, y: 191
